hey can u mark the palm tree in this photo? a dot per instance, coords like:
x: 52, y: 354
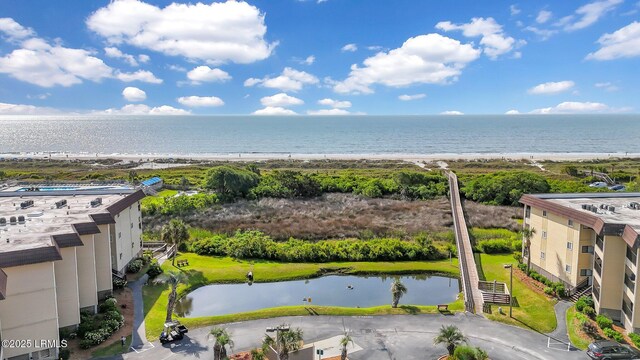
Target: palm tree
x: 451, y: 336
x: 184, y: 183
x: 133, y: 176
x: 346, y: 339
x: 173, y: 279
x: 285, y: 342
x: 397, y: 290
x: 223, y: 339
x: 527, y: 234
x: 174, y: 233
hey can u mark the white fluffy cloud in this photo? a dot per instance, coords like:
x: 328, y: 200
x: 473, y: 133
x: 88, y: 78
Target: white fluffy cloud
x: 271, y: 110
x: 21, y: 109
x: 574, y: 107
x: 200, y: 101
x: 350, y: 48
x: 309, y: 60
x: 623, y: 43
x: 513, y: 112
x: 543, y: 16
x: 217, y: 32
x: 328, y: 112
x: 552, y: 87
x: 514, y: 10
x: 335, y: 103
x: 452, y: 112
x: 493, y: 39
x: 114, y: 52
x: 543, y: 33
x: 405, y: 97
x: 280, y: 100
x: 140, y: 75
x: 202, y: 74
x: 14, y: 31
x: 607, y: 86
x: 289, y: 80
x: 424, y: 59
x: 42, y: 64
x: 588, y: 14
x: 141, y: 109
x: 134, y: 94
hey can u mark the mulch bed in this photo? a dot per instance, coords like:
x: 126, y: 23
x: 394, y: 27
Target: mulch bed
x: 533, y: 284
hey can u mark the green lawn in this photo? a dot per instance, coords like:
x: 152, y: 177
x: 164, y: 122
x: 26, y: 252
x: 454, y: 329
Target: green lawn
x: 203, y: 270
x: 113, y: 349
x: 534, y: 310
x: 577, y: 340
x: 159, y: 198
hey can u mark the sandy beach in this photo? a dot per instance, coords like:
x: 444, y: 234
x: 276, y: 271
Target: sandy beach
x: 285, y: 156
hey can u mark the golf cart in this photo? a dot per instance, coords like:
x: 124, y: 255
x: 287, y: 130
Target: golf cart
x: 173, y: 331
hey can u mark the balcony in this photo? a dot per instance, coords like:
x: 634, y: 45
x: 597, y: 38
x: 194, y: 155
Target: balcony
x: 599, y: 243
x: 627, y: 308
x: 597, y: 267
x: 630, y: 284
x: 596, y: 292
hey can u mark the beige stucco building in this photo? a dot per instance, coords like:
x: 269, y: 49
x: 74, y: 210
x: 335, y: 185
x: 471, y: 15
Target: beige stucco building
x: 589, y: 240
x: 58, y: 251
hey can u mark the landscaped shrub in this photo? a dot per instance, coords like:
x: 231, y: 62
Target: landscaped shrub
x: 635, y: 338
x: 464, y: 352
x: 119, y: 283
x: 604, y: 322
x: 135, y: 266
x: 522, y: 267
x: 548, y: 290
x: 495, y: 246
x: 612, y: 334
x: 517, y: 255
x: 110, y: 304
x: 589, y: 311
x: 154, y: 270
x: 559, y: 289
x: 589, y: 328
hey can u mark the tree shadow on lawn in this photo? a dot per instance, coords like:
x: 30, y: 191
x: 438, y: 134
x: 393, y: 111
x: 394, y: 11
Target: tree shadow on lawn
x: 187, y: 347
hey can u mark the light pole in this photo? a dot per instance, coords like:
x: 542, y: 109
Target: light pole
x: 278, y: 330
x: 510, y: 267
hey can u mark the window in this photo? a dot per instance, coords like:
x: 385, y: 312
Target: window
x: 527, y: 212
x: 567, y: 268
x: 570, y: 245
x: 586, y: 272
x: 544, y: 234
x: 132, y: 225
x: 132, y: 245
x: 120, y: 256
x: 542, y: 255
x: 587, y: 249
x: 544, y: 213
x: 570, y: 223
x: 119, y: 234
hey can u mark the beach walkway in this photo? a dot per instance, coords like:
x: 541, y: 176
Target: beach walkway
x: 468, y: 271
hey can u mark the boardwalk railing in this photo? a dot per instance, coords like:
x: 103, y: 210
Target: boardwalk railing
x: 468, y: 272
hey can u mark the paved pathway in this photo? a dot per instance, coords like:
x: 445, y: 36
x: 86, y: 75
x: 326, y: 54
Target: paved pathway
x: 401, y: 337
x: 468, y: 268
x: 560, y: 334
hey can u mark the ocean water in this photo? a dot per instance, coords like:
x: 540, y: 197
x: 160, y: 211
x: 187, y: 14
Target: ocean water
x: 420, y: 135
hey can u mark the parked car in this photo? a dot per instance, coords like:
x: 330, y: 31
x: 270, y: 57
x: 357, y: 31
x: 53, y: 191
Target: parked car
x: 598, y: 184
x: 617, y: 187
x: 609, y: 350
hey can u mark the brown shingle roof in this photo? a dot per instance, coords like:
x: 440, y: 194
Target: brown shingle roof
x: 127, y: 201
x: 103, y: 218
x: 29, y: 256
x: 87, y: 228
x: 67, y: 240
x: 3, y: 285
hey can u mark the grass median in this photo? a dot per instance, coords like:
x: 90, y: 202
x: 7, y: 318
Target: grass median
x: 205, y: 270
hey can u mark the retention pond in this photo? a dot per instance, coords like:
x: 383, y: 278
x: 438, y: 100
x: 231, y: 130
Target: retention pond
x: 334, y: 290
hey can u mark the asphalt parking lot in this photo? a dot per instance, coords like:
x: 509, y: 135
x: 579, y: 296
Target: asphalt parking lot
x: 381, y: 337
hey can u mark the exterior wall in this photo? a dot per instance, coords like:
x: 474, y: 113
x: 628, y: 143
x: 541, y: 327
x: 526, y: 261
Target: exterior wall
x: 127, y: 236
x: 103, y: 262
x: 67, y: 291
x: 305, y: 353
x: 30, y: 309
x: 585, y: 260
x: 87, y: 274
x: 612, y: 277
x: 557, y: 255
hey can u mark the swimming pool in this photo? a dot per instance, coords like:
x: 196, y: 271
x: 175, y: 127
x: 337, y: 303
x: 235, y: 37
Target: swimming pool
x: 72, y: 188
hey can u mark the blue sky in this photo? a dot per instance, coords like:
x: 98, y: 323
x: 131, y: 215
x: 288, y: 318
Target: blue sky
x: 319, y: 57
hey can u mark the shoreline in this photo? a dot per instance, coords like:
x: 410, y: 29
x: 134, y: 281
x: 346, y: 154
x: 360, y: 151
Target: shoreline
x: 531, y: 156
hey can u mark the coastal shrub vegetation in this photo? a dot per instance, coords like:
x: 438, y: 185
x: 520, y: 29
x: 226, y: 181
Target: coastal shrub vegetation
x: 495, y: 241
x: 94, y: 329
x: 504, y: 188
x: 465, y: 352
x: 635, y: 339
x: 257, y: 245
x: 604, y: 322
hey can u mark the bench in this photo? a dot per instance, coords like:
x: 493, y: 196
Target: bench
x: 443, y: 307
x: 182, y: 263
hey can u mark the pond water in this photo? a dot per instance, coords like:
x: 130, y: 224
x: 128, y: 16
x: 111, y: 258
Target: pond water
x: 334, y: 290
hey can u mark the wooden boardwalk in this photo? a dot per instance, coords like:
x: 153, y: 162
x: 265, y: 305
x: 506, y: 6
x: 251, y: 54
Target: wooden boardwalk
x: 468, y: 270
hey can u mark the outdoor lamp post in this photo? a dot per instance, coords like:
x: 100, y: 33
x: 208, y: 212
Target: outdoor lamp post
x: 278, y: 330
x: 510, y: 267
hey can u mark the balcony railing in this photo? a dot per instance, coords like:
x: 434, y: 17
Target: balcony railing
x: 597, y: 267
x: 631, y: 255
x: 596, y: 292
x: 628, y: 282
x: 627, y: 308
x: 599, y: 243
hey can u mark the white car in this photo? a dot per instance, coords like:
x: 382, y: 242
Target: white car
x: 598, y: 184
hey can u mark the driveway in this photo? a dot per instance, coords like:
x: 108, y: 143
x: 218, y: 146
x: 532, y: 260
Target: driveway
x: 381, y: 337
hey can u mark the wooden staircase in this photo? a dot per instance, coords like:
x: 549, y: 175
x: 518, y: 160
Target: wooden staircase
x: 578, y: 294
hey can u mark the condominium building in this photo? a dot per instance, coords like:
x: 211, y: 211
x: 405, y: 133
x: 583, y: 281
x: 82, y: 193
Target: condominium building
x: 587, y: 240
x: 58, y: 250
